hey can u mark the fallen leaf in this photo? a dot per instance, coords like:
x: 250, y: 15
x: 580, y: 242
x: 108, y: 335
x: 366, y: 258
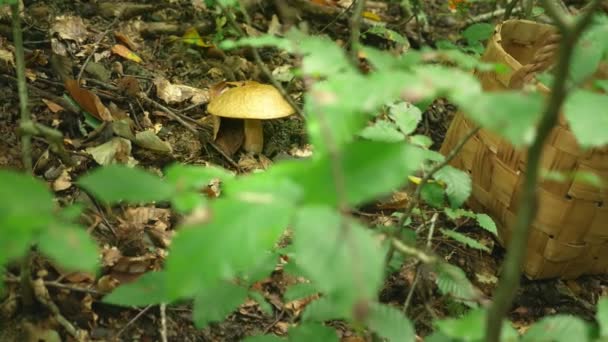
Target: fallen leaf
x: 52, y: 106
x: 148, y: 139
x: 115, y: 151
x: 124, y: 52
x: 70, y: 28
x: 88, y: 100
x: 63, y: 182
x: 176, y: 93
x: 192, y: 37
x: 123, y: 38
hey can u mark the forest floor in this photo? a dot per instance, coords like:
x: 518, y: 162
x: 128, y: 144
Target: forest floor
x: 135, y: 239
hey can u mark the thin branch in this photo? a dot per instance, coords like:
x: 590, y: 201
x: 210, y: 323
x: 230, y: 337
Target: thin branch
x: 413, y: 203
x: 133, y: 320
x: 355, y: 31
x: 26, y: 139
x: 429, y: 237
x: 514, y: 259
x: 95, y: 46
x: 163, y: 322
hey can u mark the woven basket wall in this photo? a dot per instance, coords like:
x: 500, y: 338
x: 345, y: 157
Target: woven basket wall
x: 569, y: 237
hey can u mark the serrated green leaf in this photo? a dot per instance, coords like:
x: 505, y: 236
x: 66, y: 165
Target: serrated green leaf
x: 390, y: 323
x: 213, y: 304
x: 471, y: 327
x: 451, y: 280
x: 586, y: 114
x: 237, y: 238
x: 458, y: 184
x: 260, y: 41
x: 487, y: 223
x: 264, y: 305
x: 588, y: 53
x: 557, y: 328
x: 510, y: 114
x: 149, y: 289
x: 323, y: 309
x: 71, y: 246
x: 456, y: 213
x: 300, y: 290
x: 478, y: 32
x: 463, y: 239
x: 116, y: 183
x: 433, y: 194
x: 312, y: 332
x: 602, y: 316
x: 194, y: 176
x: 406, y: 116
x: 334, y: 265
x: 382, y: 130
x: 420, y: 140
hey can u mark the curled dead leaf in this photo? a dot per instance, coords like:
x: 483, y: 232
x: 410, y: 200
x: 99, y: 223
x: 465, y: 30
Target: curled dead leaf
x: 124, y: 52
x: 88, y: 100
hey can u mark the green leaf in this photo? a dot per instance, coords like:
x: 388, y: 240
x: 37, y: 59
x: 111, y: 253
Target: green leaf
x: 261, y: 41
x: 116, y: 183
x: 71, y: 246
x: 194, y: 176
x: 312, y: 332
x: 387, y: 164
x: 390, y: 323
x: 324, y: 309
x: 557, y: 328
x: 433, y: 194
x: 463, y: 239
x: 21, y: 196
x: 380, y: 59
x: 237, y: 238
x: 382, y: 31
x: 458, y: 184
x: 451, y: 280
x: 264, y: 338
x: 510, y: 114
x: 214, y: 304
x: 421, y: 140
x: 149, y: 289
x: 338, y: 261
x: 588, y: 53
x: 264, y: 305
x: 478, y: 32
x: 471, y: 327
x: 486, y: 222
x: 406, y: 116
x: 382, y: 130
x: 330, y: 62
x: 602, y: 316
x: 456, y: 213
x: 300, y: 290
x: 586, y: 114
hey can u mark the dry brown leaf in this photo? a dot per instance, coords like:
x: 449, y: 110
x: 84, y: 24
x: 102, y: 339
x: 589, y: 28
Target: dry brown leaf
x: 123, y: 38
x: 52, y: 106
x: 176, y: 93
x: 88, y: 100
x: 124, y: 52
x: 63, y: 182
x: 69, y: 28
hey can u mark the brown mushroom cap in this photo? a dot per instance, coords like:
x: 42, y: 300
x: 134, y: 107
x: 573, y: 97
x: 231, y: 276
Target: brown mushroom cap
x: 250, y: 101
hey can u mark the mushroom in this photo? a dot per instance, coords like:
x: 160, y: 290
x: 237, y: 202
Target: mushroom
x: 251, y: 102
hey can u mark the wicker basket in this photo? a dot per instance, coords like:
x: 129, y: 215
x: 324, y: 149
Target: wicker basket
x: 569, y: 236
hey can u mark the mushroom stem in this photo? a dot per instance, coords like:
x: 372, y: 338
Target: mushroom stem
x: 254, y: 135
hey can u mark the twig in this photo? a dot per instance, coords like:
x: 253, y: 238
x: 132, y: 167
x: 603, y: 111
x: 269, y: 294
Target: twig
x: 186, y: 125
x: 418, y: 193
x: 528, y: 208
x: 355, y: 31
x: 26, y: 139
x: 95, y: 46
x: 258, y: 58
x: 336, y: 18
x: 510, y: 9
x: 163, y: 322
x: 133, y: 320
x: 415, y: 252
x: 429, y: 236
x: 59, y: 285
x: 42, y: 295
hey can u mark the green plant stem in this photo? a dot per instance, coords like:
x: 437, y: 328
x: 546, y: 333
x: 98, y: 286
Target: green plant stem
x: 413, y: 203
x: 516, y: 252
x: 26, y: 139
x: 355, y: 31
x: 509, y: 9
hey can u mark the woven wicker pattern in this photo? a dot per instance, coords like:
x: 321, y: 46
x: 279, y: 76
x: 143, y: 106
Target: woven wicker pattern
x: 569, y: 237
